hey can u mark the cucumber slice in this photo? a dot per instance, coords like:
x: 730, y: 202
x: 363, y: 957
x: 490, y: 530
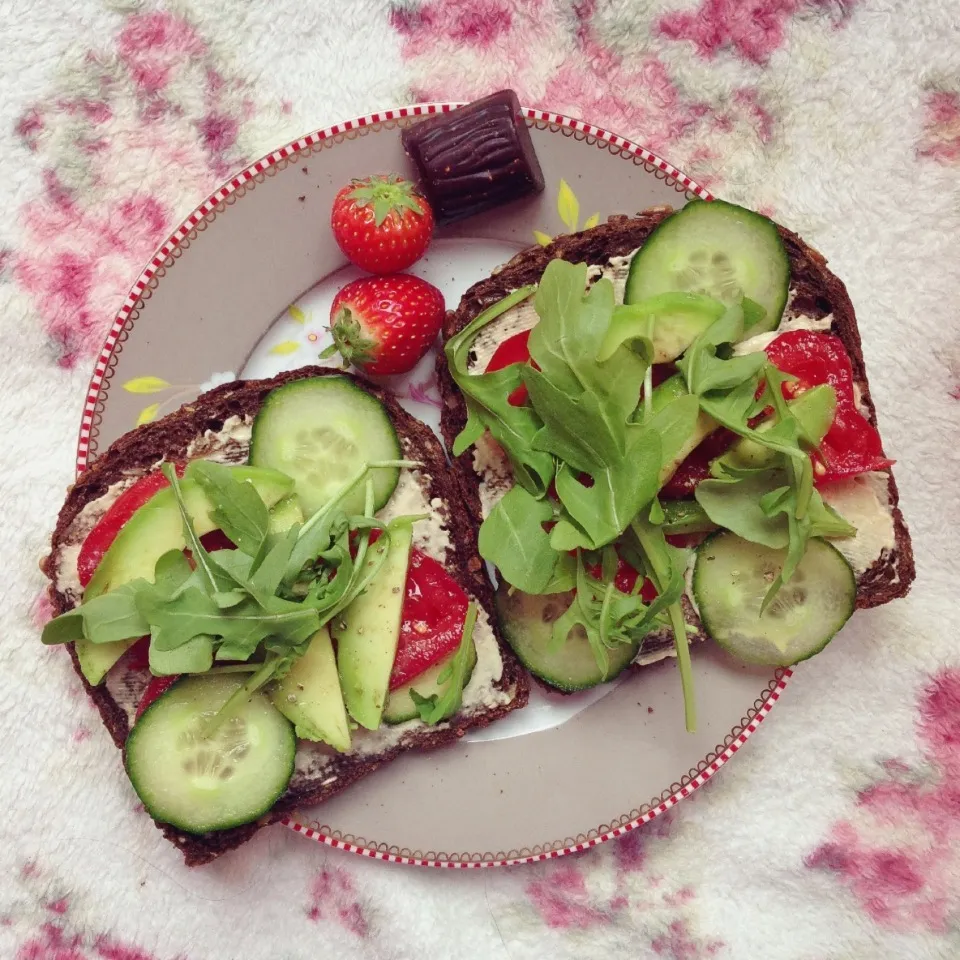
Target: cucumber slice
x: 400, y: 706
x: 320, y: 431
x: 198, y: 784
x: 731, y: 578
x: 720, y: 250
x: 527, y: 623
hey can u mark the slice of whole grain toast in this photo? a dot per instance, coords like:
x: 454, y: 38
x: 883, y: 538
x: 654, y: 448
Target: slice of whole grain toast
x: 140, y: 450
x: 817, y: 293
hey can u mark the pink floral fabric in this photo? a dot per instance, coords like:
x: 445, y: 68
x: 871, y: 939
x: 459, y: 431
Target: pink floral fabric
x: 159, y: 102
x: 897, y: 853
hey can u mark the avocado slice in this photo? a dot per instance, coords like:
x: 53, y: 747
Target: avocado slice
x: 309, y: 695
x: 368, y: 630
x: 153, y: 530
x: 671, y: 389
x: 814, y: 408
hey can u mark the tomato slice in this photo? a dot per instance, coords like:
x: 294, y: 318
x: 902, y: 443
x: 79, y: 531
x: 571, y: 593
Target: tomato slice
x: 431, y: 627
x: 512, y: 350
x: 697, y: 465
x: 155, y: 687
x: 626, y: 579
x: 100, y: 538
x: 852, y: 445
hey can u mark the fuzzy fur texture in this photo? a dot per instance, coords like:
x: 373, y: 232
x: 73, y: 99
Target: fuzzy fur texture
x: 836, y: 834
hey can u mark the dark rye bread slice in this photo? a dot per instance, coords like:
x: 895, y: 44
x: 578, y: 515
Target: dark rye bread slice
x: 137, y: 451
x: 818, y: 293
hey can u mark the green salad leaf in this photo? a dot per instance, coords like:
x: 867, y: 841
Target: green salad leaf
x: 115, y: 615
x: 436, y: 708
x: 665, y: 565
x: 485, y: 395
x: 194, y: 656
x: 513, y: 539
x: 238, y: 509
x: 705, y: 371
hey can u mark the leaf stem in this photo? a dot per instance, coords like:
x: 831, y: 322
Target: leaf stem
x: 654, y: 550
x: 685, y: 667
x: 233, y: 668
x: 229, y: 710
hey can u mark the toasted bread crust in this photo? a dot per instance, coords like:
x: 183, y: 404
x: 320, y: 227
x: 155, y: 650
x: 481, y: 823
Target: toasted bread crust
x: 136, y: 452
x: 818, y: 293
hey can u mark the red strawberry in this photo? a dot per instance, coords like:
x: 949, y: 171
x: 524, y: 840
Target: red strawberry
x: 385, y: 324
x: 382, y: 224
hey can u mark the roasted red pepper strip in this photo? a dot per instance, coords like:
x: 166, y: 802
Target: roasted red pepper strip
x: 852, y: 444
x: 98, y: 540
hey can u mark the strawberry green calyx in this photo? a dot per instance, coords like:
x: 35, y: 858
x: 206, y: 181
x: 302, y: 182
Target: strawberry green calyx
x: 350, y: 340
x: 387, y: 194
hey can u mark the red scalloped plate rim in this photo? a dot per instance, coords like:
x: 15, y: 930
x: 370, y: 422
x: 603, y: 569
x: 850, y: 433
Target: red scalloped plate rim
x: 295, y: 147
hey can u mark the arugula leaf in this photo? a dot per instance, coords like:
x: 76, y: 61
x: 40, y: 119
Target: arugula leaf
x: 214, y: 581
x: 487, y: 405
x: 604, y: 510
x: 115, y: 615
x: 705, y: 371
x: 573, y: 324
x: 580, y: 618
x: 237, y: 508
x: 584, y: 405
x: 434, y: 709
x: 171, y: 573
x: 758, y: 504
x: 736, y: 504
x: 512, y: 538
x: 235, y: 565
x: 271, y: 571
x: 601, y: 614
x: 564, y: 576
x: 194, y: 656
x: 574, y: 430
x: 64, y: 629
x: 171, y: 623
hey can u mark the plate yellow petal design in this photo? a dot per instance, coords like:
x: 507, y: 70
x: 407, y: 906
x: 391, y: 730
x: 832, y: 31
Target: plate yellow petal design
x: 148, y: 414
x: 146, y: 385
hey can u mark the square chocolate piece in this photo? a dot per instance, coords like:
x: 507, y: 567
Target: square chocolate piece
x: 474, y: 158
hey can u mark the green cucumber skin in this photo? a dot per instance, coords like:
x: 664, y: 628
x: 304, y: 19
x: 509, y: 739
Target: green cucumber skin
x: 690, y: 219
x: 132, y: 764
x: 549, y: 667
x: 701, y: 592
x: 325, y: 394
x: 400, y: 706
